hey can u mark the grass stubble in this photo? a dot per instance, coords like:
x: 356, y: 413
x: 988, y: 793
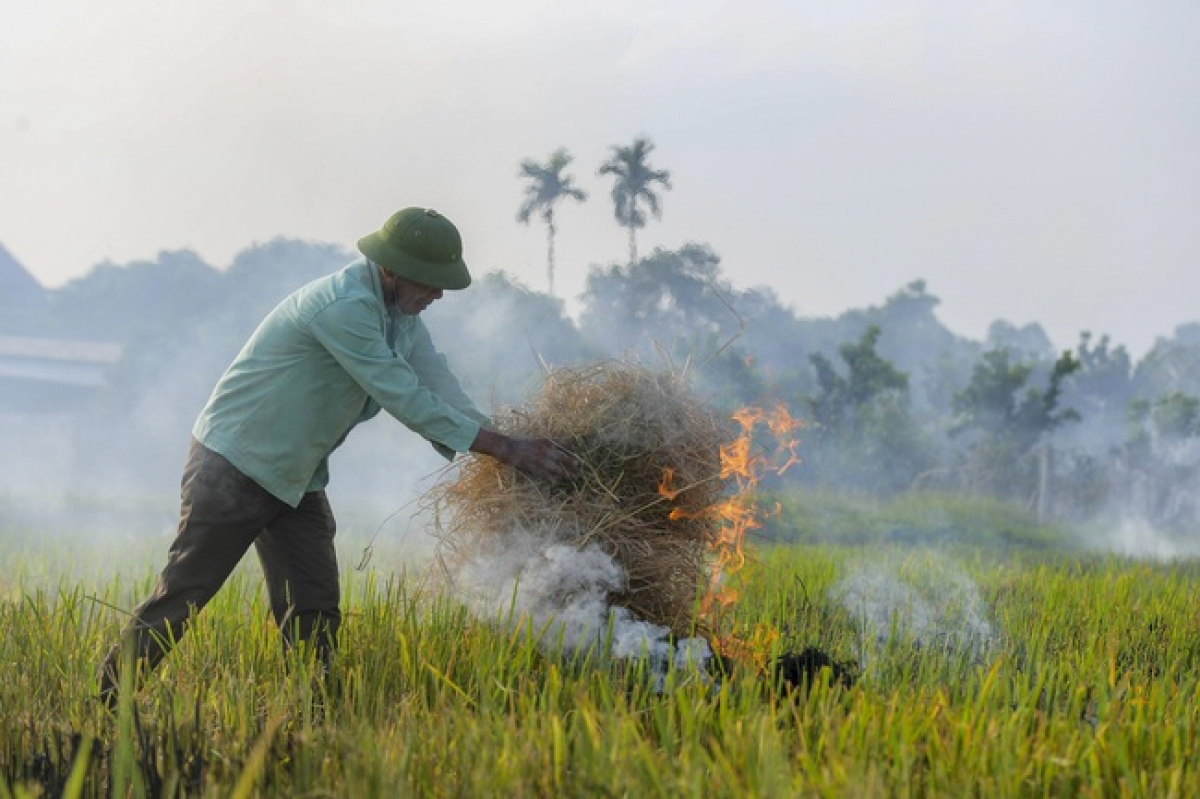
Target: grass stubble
x: 1091, y: 690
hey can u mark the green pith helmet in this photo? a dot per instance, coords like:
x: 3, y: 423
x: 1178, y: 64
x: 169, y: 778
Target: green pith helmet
x: 421, y: 245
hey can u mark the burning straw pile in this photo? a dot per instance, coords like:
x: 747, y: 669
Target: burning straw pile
x: 650, y: 479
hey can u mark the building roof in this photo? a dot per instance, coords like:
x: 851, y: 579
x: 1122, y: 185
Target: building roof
x: 30, y: 362
x: 16, y: 284
x: 52, y: 349
x: 23, y: 301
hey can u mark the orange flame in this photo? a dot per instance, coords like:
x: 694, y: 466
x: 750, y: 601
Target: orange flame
x: 755, y: 647
x: 737, y: 514
x: 781, y: 425
x: 666, y: 486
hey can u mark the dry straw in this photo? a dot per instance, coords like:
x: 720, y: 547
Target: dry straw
x: 646, y: 492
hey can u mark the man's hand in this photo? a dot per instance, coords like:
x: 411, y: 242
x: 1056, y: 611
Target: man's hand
x: 537, y: 457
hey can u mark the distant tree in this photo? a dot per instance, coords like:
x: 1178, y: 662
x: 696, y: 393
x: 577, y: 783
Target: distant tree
x: 1160, y: 462
x: 547, y: 186
x: 1006, y: 419
x: 1101, y: 391
x: 676, y: 304
x: 993, y: 403
x: 634, y: 185
x: 936, y: 360
x: 1177, y: 416
x: 264, y: 273
x: 777, y: 343
x: 141, y: 301
x: 1159, y: 428
x: 668, y: 296
x: 862, y: 433
x: 1029, y: 341
x: 1172, y: 364
x: 867, y: 376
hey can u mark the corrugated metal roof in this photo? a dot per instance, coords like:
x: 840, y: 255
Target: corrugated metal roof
x: 41, y: 370
x: 99, y: 352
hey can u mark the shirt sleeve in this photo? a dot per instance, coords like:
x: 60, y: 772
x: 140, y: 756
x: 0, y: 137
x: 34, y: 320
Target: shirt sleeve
x: 351, y: 331
x: 431, y: 367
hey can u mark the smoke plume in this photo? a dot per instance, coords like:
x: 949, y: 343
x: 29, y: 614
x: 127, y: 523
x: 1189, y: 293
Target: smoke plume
x: 563, y: 592
x: 931, y: 605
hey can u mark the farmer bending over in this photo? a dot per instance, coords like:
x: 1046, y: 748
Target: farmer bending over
x: 328, y: 357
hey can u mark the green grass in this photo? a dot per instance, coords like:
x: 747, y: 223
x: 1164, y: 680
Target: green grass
x: 1090, y: 687
x: 919, y: 518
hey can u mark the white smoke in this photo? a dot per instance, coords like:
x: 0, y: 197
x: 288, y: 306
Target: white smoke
x: 1134, y: 536
x: 931, y: 605
x: 563, y: 592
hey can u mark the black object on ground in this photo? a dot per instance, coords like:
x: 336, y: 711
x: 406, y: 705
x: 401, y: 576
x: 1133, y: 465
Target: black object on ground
x: 799, y: 670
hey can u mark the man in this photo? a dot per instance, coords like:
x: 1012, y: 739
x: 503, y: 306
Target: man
x: 328, y: 357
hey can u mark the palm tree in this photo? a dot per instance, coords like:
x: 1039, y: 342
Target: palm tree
x: 634, y: 185
x: 547, y: 185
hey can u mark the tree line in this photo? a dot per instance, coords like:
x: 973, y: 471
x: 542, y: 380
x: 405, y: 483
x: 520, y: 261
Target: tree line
x: 892, y: 400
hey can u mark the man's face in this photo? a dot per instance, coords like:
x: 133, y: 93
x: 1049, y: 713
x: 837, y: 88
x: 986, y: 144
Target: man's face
x: 410, y: 297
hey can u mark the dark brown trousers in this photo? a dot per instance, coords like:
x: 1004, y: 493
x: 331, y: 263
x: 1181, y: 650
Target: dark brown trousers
x: 222, y: 513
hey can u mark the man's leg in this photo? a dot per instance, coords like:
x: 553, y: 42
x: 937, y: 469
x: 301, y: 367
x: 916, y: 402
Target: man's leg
x: 221, y: 512
x: 299, y: 561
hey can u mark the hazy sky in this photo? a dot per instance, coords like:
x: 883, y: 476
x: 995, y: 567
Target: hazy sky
x: 1033, y: 160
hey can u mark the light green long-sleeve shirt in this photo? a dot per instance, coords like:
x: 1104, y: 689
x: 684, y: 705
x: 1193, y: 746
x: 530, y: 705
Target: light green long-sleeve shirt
x: 328, y: 357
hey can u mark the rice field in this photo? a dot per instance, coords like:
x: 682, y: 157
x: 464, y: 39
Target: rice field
x: 980, y: 672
